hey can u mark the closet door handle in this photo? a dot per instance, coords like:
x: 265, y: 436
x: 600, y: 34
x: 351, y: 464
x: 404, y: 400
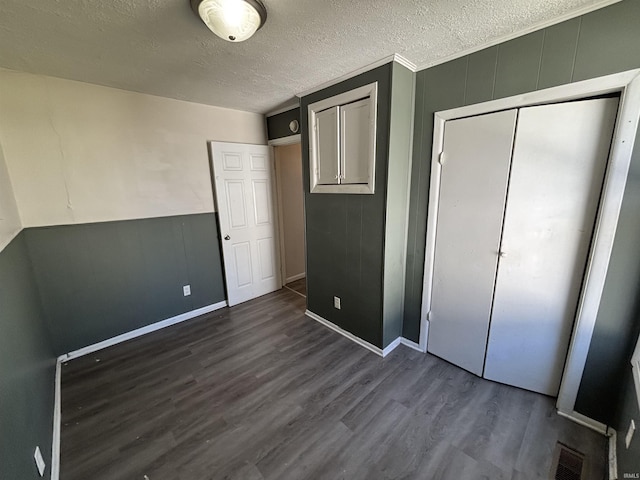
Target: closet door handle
x: 502, y: 254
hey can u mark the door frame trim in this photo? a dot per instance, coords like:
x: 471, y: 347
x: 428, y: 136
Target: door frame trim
x: 290, y: 140
x: 278, y: 192
x: 628, y: 85
x: 281, y: 142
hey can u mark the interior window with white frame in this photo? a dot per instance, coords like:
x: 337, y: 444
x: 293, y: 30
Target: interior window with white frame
x: 342, y: 142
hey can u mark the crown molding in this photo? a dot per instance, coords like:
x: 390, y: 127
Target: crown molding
x: 383, y: 61
x: 405, y: 62
x: 501, y: 39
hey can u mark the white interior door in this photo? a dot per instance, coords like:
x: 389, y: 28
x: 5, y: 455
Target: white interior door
x: 244, y: 185
x: 473, y: 185
x: 559, y: 161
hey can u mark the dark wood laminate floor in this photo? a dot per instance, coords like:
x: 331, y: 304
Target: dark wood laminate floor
x: 259, y: 391
x: 299, y: 286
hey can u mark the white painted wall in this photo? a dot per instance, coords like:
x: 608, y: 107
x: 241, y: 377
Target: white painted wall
x: 81, y: 153
x: 9, y: 219
x: 288, y: 160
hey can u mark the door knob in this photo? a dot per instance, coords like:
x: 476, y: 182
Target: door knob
x: 227, y: 237
x: 502, y: 254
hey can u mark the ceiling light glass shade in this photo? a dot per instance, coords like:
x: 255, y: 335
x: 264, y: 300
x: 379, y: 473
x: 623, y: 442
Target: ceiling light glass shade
x: 232, y: 20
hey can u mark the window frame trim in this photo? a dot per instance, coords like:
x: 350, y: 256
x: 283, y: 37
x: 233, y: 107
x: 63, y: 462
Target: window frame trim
x: 367, y: 91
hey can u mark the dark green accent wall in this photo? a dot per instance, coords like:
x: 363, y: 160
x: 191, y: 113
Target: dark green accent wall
x: 27, y: 368
x: 356, y: 243
x: 602, y: 42
x: 618, y: 315
x: 100, y: 280
x: 66, y: 287
x: 628, y: 409
x: 628, y: 459
x: 345, y: 233
x: 278, y: 125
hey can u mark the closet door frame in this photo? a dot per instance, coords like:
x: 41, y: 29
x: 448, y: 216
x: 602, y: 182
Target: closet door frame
x: 628, y: 85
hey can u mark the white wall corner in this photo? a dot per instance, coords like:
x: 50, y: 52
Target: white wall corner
x: 405, y: 62
x: 10, y: 219
x: 391, y: 347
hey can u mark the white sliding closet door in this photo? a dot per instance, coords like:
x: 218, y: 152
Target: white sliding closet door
x: 473, y: 187
x: 559, y: 161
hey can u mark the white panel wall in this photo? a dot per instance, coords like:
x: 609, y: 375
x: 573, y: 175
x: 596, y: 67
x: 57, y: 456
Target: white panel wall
x: 81, y: 153
x: 9, y: 218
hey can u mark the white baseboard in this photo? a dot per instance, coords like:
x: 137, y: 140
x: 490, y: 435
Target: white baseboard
x: 585, y: 421
x: 300, y: 276
x: 378, y: 351
x: 363, y: 343
x: 57, y: 414
x: 413, y: 345
x: 613, y: 454
x: 391, y: 347
x: 57, y: 419
x: 344, y: 333
x: 143, y: 331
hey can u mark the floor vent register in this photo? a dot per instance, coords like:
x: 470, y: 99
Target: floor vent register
x: 568, y: 464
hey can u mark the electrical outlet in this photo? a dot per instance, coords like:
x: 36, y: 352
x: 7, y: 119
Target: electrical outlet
x: 39, y: 461
x: 336, y: 302
x: 186, y: 290
x: 632, y: 428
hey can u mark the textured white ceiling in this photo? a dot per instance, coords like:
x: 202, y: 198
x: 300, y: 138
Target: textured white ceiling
x: 160, y: 47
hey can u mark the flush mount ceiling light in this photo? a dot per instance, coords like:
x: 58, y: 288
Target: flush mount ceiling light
x: 233, y: 20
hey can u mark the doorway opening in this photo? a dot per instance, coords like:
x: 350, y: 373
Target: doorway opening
x: 290, y: 205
